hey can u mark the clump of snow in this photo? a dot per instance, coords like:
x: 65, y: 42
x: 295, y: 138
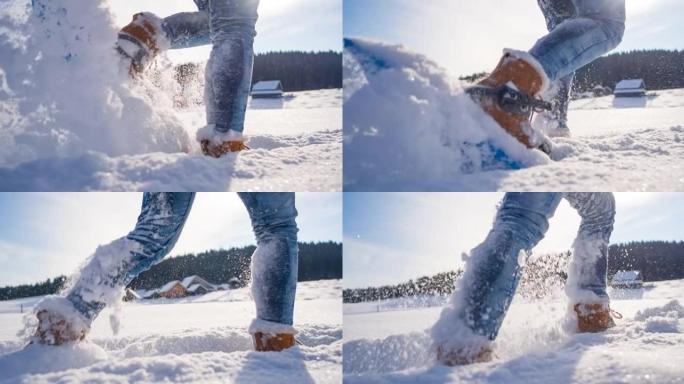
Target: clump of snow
x: 664, y: 319
x: 406, y: 122
x: 38, y: 358
x: 66, y: 91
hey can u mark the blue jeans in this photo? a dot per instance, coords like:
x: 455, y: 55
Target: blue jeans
x: 230, y: 26
x: 274, y: 263
x: 493, y: 270
x: 581, y: 31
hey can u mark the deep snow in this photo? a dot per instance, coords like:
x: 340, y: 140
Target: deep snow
x: 196, y: 339
x: 408, y: 126
x: 72, y: 119
x: 385, y: 343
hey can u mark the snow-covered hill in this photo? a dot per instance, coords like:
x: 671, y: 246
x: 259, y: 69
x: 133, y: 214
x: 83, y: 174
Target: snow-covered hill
x: 409, y: 126
x: 646, y: 346
x: 201, y: 339
x: 72, y: 119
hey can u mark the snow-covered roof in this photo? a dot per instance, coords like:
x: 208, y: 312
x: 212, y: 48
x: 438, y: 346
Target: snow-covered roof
x: 194, y: 279
x: 630, y: 84
x: 267, y: 85
x: 193, y: 288
x: 627, y: 276
x: 168, y: 286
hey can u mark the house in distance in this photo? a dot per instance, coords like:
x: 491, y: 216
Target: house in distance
x: 267, y: 89
x: 630, y: 88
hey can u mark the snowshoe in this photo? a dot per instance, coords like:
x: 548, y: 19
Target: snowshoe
x: 510, y: 94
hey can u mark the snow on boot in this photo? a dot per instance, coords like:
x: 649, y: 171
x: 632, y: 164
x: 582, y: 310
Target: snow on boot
x: 141, y: 40
x: 217, y: 144
x: 594, y: 317
x: 511, y: 93
x: 59, y: 322
x: 209, y: 149
x: 268, y: 342
x: 465, y: 355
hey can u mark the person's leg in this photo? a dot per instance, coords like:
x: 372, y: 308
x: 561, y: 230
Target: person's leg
x: 589, y: 309
x: 275, y: 261
x: 596, y: 28
x: 483, y: 295
x: 115, y: 265
x: 229, y: 72
x: 587, y: 274
x: 555, y: 122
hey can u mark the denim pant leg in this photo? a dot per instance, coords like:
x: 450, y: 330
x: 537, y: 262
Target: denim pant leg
x: 588, y: 269
x: 275, y: 261
x: 115, y: 265
x: 229, y: 70
x: 555, y: 12
x: 596, y: 28
x: 187, y: 29
x: 493, y: 270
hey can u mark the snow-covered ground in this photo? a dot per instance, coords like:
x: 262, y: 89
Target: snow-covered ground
x: 408, y: 126
x: 198, y: 339
x: 72, y: 119
x: 646, y: 346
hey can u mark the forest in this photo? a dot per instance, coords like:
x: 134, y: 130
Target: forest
x: 317, y: 261
x: 297, y: 71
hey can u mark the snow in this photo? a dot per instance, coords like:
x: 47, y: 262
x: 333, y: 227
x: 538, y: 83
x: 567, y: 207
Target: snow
x: 406, y: 122
x: 646, y: 346
x: 72, y: 119
x: 197, y: 339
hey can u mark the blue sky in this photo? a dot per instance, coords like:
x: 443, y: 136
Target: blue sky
x: 47, y: 234
x: 468, y: 36
x: 393, y: 237
x: 309, y: 25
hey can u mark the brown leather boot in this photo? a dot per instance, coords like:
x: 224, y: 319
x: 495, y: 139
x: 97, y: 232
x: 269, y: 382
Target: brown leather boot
x: 464, y: 356
x: 524, y: 74
x: 593, y: 317
x: 217, y: 151
x: 55, y: 329
x: 267, y: 342
x: 140, y: 40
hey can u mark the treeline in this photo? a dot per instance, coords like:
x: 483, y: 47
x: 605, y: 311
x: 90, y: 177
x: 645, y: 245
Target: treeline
x: 46, y: 287
x: 300, y: 71
x: 297, y: 71
x: 660, y: 69
x: 441, y: 284
x: 317, y: 261
x: 657, y: 260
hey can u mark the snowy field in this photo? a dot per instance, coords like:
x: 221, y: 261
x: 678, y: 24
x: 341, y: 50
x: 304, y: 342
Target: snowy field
x: 200, y: 339
x: 72, y: 119
x: 409, y: 126
x: 646, y: 346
